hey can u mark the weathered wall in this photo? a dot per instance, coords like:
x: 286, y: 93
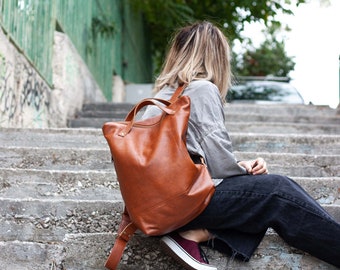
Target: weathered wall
x: 26, y: 100
x: 73, y: 82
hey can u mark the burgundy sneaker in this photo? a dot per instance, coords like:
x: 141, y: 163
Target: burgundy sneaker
x: 186, y: 252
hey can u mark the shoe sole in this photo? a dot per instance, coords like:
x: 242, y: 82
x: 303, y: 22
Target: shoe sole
x: 181, y: 256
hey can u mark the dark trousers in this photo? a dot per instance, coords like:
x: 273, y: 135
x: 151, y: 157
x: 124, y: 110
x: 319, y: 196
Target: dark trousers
x: 244, y: 207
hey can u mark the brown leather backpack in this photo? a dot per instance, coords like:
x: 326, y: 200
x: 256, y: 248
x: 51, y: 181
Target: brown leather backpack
x: 162, y: 188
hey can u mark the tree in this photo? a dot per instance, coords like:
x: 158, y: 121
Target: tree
x: 269, y: 58
x: 163, y: 16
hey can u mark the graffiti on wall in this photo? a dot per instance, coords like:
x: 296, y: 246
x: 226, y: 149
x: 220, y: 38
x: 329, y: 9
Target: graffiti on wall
x: 22, y: 88
x: 35, y: 91
x: 8, y: 104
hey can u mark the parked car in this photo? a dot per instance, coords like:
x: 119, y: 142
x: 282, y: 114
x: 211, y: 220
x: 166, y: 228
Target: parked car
x: 264, y: 91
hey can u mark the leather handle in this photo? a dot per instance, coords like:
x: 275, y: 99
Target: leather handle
x: 132, y: 114
x: 148, y: 101
x: 151, y: 101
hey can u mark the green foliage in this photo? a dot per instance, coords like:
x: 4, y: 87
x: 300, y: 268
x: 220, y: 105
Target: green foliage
x: 270, y: 58
x: 164, y: 16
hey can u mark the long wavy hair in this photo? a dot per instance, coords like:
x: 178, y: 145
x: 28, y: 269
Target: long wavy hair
x: 198, y: 51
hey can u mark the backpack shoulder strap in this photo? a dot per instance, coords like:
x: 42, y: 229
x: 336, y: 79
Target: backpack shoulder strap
x: 179, y: 91
x: 125, y: 232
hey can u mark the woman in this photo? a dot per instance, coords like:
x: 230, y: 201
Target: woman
x: 247, y: 200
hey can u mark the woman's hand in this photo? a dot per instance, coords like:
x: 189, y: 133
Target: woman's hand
x: 257, y: 166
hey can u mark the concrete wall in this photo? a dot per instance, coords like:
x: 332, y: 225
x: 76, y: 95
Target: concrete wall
x: 24, y: 96
x: 26, y: 100
x: 73, y: 83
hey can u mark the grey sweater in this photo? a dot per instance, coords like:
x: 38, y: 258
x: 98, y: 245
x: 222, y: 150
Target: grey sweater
x: 207, y: 135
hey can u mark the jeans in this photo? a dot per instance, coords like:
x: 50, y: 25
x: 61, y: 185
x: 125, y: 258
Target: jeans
x: 244, y: 207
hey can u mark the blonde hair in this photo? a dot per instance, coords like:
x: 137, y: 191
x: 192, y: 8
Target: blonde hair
x: 198, y: 51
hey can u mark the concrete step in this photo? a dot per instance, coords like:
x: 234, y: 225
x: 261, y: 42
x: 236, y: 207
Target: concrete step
x: 117, y: 114
x: 94, y: 139
x: 280, y: 109
x: 89, y: 252
x: 274, y: 118
x: 71, y: 159
x: 297, y: 165
x: 62, y: 184
x: 98, y: 122
x: 120, y: 112
x: 99, y: 159
x: 276, y: 143
x: 91, y: 185
x: 107, y: 106
x: 90, y: 122
x: 265, y: 109
x: 283, y: 128
x: 53, y: 138
x: 67, y: 191
x: 46, y: 220
x: 244, y: 126
x: 95, y: 115
x: 20, y: 255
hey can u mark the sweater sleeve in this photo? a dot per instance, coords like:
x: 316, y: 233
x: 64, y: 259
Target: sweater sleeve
x: 207, y: 132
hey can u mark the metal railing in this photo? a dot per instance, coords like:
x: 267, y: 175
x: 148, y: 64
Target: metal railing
x: 28, y: 24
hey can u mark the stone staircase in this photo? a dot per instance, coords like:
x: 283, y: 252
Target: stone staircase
x: 61, y: 205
